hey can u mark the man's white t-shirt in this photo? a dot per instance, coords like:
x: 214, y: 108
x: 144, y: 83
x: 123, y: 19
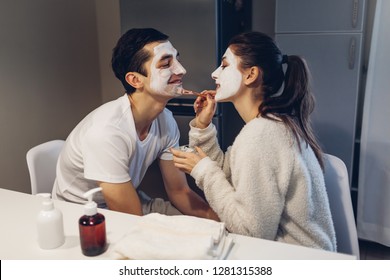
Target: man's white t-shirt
x: 105, y: 147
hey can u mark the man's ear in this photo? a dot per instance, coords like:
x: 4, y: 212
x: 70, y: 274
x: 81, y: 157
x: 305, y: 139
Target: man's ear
x: 135, y: 79
x: 252, y: 75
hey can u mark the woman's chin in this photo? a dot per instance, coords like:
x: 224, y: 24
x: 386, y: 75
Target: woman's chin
x: 219, y: 98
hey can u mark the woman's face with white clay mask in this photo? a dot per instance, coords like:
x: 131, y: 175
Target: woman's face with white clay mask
x: 166, y: 71
x: 227, y: 77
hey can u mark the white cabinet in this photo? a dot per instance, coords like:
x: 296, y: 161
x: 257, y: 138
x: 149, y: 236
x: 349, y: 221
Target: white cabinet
x: 328, y: 34
x: 294, y: 16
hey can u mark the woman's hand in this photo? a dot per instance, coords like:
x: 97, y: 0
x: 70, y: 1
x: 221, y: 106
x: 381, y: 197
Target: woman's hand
x: 186, y: 161
x: 204, y: 107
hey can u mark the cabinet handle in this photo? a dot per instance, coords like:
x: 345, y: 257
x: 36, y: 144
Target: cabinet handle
x: 352, y: 53
x: 355, y: 11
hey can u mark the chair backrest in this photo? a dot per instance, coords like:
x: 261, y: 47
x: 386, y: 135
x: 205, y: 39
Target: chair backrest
x: 339, y: 193
x: 41, y: 163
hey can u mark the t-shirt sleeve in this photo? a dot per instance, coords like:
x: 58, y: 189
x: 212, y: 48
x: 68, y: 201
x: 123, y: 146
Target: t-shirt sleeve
x: 171, y: 135
x: 106, y: 155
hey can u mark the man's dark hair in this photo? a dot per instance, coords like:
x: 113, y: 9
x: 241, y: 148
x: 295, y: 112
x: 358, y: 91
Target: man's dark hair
x: 129, y: 54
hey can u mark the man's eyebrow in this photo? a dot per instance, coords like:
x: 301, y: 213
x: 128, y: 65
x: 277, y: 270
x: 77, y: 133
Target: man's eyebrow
x: 167, y: 56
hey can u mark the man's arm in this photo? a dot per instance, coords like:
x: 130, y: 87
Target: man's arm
x: 122, y: 197
x: 181, y: 195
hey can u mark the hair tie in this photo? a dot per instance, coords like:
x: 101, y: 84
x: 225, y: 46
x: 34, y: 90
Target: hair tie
x: 284, y: 58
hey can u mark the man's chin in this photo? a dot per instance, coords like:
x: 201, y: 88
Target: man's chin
x: 174, y: 90
x: 170, y: 91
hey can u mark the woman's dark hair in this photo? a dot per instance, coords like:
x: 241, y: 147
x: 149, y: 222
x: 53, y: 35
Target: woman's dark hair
x: 129, y: 54
x: 296, y: 102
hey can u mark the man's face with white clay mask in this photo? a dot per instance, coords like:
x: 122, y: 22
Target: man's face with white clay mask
x: 227, y: 77
x: 166, y: 72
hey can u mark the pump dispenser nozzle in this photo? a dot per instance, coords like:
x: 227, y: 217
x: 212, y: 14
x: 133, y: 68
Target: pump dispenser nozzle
x: 47, y: 203
x: 91, y: 206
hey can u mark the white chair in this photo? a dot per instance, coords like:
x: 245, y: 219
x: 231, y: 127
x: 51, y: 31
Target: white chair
x: 41, y: 163
x: 337, y: 186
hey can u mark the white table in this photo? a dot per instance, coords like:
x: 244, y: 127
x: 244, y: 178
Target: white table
x: 18, y: 236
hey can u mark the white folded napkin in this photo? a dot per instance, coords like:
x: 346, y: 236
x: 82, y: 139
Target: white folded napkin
x: 157, y: 236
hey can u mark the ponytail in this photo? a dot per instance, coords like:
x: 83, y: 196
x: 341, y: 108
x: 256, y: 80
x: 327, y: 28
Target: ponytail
x: 295, y: 104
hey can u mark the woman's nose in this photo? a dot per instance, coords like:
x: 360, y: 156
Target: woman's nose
x: 215, y: 74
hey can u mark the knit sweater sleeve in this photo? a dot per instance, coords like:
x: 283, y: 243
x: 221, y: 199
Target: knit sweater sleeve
x: 251, y: 200
x: 207, y: 140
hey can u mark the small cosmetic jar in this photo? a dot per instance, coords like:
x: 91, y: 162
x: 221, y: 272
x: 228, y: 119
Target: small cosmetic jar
x: 186, y: 148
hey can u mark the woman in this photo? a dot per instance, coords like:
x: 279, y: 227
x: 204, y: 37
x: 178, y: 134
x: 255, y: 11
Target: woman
x: 269, y: 184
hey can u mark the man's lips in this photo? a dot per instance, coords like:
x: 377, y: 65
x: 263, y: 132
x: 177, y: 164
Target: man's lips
x: 176, y: 81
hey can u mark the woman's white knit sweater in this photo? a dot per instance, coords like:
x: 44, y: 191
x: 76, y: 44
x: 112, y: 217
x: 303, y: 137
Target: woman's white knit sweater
x: 263, y: 186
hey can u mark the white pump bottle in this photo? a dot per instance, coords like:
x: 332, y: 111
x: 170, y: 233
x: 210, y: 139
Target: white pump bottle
x: 50, y: 225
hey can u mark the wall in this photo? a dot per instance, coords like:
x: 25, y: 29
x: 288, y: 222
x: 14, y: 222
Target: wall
x: 109, y: 31
x: 50, y: 75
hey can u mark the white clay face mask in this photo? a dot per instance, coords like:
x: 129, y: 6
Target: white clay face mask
x: 229, y: 78
x: 160, y: 77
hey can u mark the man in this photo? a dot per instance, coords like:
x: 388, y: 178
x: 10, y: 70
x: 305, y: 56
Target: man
x: 114, y: 145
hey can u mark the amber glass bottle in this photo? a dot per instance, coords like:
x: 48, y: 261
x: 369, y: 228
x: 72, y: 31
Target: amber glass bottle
x: 93, y: 234
x: 92, y: 228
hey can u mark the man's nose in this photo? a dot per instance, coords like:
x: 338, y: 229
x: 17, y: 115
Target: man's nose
x: 178, y: 69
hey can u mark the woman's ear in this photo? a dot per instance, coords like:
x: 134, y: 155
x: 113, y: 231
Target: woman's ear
x: 252, y: 75
x: 135, y: 79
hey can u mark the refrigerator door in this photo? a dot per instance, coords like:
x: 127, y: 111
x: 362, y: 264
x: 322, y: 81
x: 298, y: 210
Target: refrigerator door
x: 184, y: 127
